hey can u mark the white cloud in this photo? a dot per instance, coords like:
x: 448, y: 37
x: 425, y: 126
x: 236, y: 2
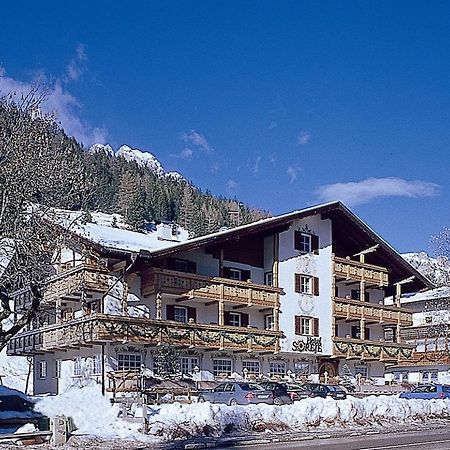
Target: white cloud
x: 272, y: 125
x: 231, y: 185
x: 186, y: 153
x: 292, y: 172
x: 214, y: 168
x: 77, y: 66
x: 59, y: 101
x: 357, y: 193
x: 192, y: 137
x: 303, y: 138
x: 253, y: 165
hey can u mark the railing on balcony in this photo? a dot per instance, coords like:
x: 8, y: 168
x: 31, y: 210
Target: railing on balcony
x: 101, y: 328
x: 212, y: 288
x: 350, y: 309
x: 348, y: 269
x: 85, y: 277
x: 371, y: 350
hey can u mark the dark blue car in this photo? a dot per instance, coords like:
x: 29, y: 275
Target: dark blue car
x: 428, y: 392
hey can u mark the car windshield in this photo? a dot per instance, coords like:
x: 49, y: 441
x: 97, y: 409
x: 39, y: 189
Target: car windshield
x: 250, y: 387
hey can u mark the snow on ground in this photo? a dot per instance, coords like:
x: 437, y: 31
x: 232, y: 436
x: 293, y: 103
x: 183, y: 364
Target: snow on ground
x: 94, y: 415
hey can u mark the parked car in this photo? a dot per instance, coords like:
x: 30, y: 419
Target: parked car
x: 297, y: 391
x: 428, y: 392
x: 237, y: 393
x: 17, y: 409
x: 323, y: 390
x: 279, y: 391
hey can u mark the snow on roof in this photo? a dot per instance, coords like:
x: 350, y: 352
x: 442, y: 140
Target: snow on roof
x: 110, y: 231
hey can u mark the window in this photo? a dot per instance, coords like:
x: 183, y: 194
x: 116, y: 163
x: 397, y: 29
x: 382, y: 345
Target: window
x: 356, y: 295
x: 269, y: 322
x: 222, y: 367
x: 97, y: 366
x: 129, y: 361
x: 268, y: 278
x: 236, y: 319
x: 306, y: 242
x: 389, y: 334
x: 236, y: 274
x: 363, y: 371
x: 181, y: 265
x: 301, y: 368
x: 42, y: 369
x: 188, y: 364
x: 306, y: 326
x: 58, y: 368
x: 77, y: 371
x: 306, y: 284
x: 180, y: 314
x: 356, y: 333
x: 278, y: 368
x: 252, y: 367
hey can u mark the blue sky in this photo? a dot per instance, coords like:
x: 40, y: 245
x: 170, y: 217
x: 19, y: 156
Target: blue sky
x: 282, y: 104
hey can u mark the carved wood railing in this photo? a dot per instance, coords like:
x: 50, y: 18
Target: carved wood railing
x: 356, y: 309
x: 371, y: 350
x: 101, y: 328
x: 353, y: 270
x: 211, y: 288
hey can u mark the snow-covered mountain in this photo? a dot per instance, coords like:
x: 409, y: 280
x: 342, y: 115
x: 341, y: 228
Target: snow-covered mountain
x: 142, y: 158
x: 101, y: 148
x: 436, y: 270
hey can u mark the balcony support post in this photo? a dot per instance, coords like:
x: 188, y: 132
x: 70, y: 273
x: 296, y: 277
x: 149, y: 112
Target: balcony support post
x: 221, y: 312
x: 158, y: 306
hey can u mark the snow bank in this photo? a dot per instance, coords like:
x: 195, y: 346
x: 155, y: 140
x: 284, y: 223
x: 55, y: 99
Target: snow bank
x: 94, y: 415
x: 182, y: 421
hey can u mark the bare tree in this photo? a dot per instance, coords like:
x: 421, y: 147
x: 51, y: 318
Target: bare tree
x: 40, y: 168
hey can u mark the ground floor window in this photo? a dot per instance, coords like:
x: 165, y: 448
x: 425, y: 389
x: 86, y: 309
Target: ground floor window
x: 129, y: 361
x: 362, y: 371
x: 301, y: 368
x: 188, y: 364
x: 42, y: 369
x: 58, y: 368
x: 278, y: 368
x: 97, y: 365
x: 222, y: 367
x: 77, y: 367
x: 250, y: 367
x: 430, y: 376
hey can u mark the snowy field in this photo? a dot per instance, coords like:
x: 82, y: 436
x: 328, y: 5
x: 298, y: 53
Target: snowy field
x: 95, y: 416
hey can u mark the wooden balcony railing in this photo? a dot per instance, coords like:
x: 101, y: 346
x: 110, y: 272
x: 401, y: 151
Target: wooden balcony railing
x: 350, y: 309
x: 72, y: 281
x: 347, y: 269
x: 211, y: 288
x: 101, y: 328
x: 371, y: 350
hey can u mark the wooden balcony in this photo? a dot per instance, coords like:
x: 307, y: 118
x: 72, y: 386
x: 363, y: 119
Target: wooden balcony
x: 347, y: 269
x: 371, y: 350
x: 68, y: 283
x: 102, y: 328
x: 210, y: 288
x: 350, y: 310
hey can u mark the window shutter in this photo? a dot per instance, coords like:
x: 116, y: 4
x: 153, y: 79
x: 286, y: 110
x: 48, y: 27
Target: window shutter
x: 367, y: 334
x: 170, y: 263
x: 316, y: 286
x: 170, y: 312
x: 297, y: 325
x: 226, y: 272
x: 226, y: 317
x: 244, y: 319
x: 192, y: 313
x: 192, y: 267
x: 245, y: 275
x: 315, y: 326
x: 366, y: 297
x: 297, y: 284
x: 315, y: 244
x: 297, y: 240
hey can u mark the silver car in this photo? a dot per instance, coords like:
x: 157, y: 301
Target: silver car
x: 237, y: 393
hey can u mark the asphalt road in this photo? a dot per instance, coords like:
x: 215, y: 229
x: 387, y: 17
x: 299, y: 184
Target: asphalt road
x: 438, y: 439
